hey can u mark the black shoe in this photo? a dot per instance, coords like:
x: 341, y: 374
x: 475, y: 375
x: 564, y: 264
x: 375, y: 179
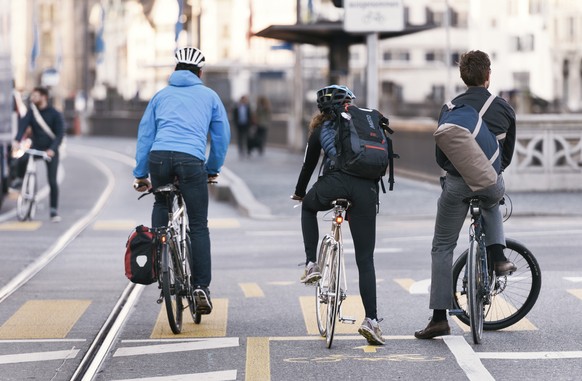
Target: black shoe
x: 504, y: 268
x: 202, y: 300
x: 434, y: 329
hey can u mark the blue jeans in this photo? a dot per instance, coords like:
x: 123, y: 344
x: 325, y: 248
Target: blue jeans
x: 164, y: 166
x: 451, y: 215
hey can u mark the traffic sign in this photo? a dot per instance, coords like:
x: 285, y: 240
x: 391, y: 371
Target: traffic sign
x: 371, y: 16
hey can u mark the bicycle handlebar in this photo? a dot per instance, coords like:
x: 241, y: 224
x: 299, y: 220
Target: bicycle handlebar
x: 173, y: 187
x: 38, y: 153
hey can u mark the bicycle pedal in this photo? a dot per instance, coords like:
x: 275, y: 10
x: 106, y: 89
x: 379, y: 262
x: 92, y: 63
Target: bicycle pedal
x: 456, y: 312
x: 348, y: 320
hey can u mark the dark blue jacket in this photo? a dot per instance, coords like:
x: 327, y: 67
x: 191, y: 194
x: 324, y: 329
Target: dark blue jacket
x: 40, y: 139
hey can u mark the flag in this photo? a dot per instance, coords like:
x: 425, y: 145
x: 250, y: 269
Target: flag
x: 35, y: 51
x: 99, y: 41
x: 179, y: 23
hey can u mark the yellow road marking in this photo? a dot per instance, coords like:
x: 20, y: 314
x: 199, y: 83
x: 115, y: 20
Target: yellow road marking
x: 114, y: 225
x: 20, y: 226
x: 44, y: 319
x: 368, y: 348
x: 252, y: 290
x: 576, y: 292
x: 258, y: 363
x: 405, y: 283
x: 213, y: 325
x: 351, y: 307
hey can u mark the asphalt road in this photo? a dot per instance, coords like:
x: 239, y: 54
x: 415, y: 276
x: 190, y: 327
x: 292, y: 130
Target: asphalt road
x: 262, y: 327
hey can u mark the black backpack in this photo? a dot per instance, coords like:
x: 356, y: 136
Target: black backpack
x: 140, y: 256
x: 364, y: 148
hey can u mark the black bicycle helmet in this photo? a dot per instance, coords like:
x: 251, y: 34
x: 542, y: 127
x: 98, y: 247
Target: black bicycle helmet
x: 332, y: 96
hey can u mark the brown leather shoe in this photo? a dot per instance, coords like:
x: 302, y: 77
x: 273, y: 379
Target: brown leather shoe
x: 433, y: 329
x: 504, y: 268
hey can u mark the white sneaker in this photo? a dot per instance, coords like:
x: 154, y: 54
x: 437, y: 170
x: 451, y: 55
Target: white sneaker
x: 370, y: 329
x: 312, y: 273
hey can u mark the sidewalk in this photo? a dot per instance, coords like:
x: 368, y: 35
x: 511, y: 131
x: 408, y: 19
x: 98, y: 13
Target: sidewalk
x: 260, y: 186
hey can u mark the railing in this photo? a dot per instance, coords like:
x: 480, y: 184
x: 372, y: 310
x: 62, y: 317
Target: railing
x: 548, y: 152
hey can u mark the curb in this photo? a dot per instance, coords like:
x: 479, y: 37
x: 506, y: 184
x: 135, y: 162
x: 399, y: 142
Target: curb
x: 232, y: 189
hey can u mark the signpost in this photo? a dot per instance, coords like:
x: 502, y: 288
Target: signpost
x: 372, y: 17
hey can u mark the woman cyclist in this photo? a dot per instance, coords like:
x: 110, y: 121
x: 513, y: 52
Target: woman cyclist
x: 333, y: 184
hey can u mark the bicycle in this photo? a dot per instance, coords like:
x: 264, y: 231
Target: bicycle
x: 331, y: 289
x: 26, y: 203
x: 483, y: 300
x: 172, y: 244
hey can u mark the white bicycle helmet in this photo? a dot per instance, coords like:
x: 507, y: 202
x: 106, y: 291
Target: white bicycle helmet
x: 191, y: 56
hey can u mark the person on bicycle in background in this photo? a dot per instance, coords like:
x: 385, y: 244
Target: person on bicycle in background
x: 47, y: 132
x: 475, y: 70
x: 171, y: 143
x: 333, y: 184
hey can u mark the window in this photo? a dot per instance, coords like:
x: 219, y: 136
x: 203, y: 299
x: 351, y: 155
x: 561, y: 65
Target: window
x: 397, y: 55
x: 522, y: 43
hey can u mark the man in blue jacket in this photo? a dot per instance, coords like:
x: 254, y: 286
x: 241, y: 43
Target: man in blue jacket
x: 171, y: 142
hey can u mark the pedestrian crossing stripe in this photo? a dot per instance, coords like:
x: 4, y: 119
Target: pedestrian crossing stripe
x: 222, y: 375
x: 38, y: 356
x: 252, y: 290
x: 576, y: 292
x: 189, y: 345
x: 20, y: 226
x: 212, y: 325
x: 43, y: 319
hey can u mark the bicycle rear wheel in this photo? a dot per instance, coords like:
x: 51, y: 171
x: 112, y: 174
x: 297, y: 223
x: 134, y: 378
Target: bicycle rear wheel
x: 334, y: 293
x: 513, y: 295
x: 170, y: 289
x: 26, y: 203
x: 475, y: 291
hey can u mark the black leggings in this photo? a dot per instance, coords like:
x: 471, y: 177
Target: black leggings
x: 363, y: 195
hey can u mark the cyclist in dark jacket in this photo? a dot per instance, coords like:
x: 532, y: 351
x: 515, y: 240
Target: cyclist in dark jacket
x: 333, y: 184
x: 47, y: 128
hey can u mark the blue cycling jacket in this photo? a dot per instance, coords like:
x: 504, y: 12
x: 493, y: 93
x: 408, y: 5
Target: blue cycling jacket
x: 179, y: 118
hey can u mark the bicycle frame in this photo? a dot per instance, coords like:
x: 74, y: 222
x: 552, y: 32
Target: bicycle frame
x: 26, y: 204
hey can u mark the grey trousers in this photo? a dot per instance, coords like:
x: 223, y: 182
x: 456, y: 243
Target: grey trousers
x: 451, y: 215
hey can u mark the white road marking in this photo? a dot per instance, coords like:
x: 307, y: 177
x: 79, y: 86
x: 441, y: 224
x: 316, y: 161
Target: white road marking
x: 179, y: 347
x: 467, y: 359
x: 421, y: 287
x: 225, y: 375
x: 38, y: 356
x: 530, y: 355
x: 575, y: 279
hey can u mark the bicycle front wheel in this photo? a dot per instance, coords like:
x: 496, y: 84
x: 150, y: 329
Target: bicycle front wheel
x: 475, y: 283
x: 172, y: 299
x: 513, y: 295
x: 26, y: 203
x: 322, y: 286
x: 334, y: 294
